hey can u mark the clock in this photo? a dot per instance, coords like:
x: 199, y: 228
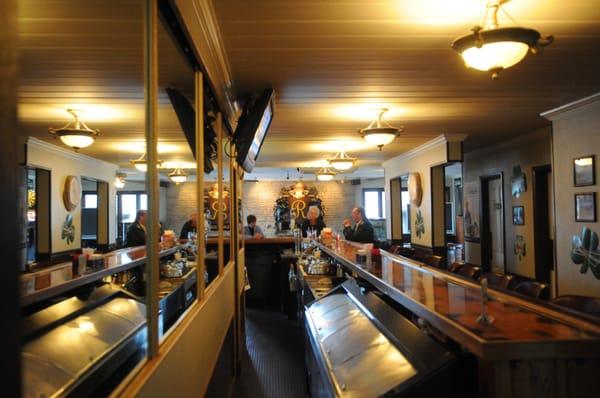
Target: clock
x: 72, y: 193
x: 415, y: 190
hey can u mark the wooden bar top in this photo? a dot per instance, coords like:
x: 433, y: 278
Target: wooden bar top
x: 521, y: 328
x: 268, y: 240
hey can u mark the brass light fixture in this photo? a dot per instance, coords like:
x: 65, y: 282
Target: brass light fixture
x: 380, y: 132
x: 299, y: 190
x: 76, y: 133
x: 341, y: 161
x: 493, y: 49
x: 214, y: 192
x: 325, y: 174
x: 120, y: 180
x: 178, y: 176
x: 142, y: 165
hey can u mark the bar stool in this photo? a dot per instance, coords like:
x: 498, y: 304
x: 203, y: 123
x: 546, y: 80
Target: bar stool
x: 498, y: 280
x: 583, y: 304
x: 533, y: 289
x: 469, y: 271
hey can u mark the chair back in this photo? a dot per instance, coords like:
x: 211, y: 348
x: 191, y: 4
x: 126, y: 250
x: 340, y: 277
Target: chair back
x: 433, y: 261
x: 469, y: 271
x: 494, y: 279
x: 583, y: 304
x: 533, y: 289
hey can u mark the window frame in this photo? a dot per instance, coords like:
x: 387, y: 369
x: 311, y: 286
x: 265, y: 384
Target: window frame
x: 380, y: 201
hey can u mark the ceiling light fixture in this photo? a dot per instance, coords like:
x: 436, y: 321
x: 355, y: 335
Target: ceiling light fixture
x: 380, y: 132
x: 142, y: 165
x: 493, y: 49
x: 178, y: 176
x: 76, y: 133
x: 325, y: 174
x: 341, y: 161
x: 120, y: 180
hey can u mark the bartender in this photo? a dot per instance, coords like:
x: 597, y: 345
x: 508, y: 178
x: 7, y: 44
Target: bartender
x: 362, y: 231
x: 252, y: 230
x: 313, y: 221
x: 136, y: 233
x: 190, y: 225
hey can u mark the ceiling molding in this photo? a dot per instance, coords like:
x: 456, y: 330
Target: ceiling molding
x: 46, y: 146
x: 434, y: 143
x: 553, y: 113
x: 199, y: 20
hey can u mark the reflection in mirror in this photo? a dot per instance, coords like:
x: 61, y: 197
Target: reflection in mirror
x: 453, y: 212
x: 405, y: 208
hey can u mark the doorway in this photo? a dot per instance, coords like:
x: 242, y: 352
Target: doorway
x: 492, y: 231
x: 89, y: 212
x: 400, y: 210
x: 543, y: 222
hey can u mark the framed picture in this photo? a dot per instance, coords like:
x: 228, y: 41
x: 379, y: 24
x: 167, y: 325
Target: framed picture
x: 585, y: 207
x: 518, y: 215
x: 584, y: 171
x: 471, y: 192
x: 518, y: 183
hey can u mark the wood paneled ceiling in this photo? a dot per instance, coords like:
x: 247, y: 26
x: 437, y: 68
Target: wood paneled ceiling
x: 332, y: 63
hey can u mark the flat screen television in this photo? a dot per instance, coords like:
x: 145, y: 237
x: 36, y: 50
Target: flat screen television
x: 253, y: 127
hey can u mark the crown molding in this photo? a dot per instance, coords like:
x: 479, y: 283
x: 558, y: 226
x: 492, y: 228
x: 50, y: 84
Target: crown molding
x: 199, y: 20
x: 434, y: 143
x: 554, y: 113
x: 46, y: 146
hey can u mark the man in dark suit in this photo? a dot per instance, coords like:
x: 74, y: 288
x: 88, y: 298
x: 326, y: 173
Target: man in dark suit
x: 136, y: 233
x: 362, y: 231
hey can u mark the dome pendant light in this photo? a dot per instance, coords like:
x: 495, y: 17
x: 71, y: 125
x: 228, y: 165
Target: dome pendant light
x: 142, y: 165
x: 120, y: 180
x: 76, y: 133
x: 325, y: 174
x: 493, y: 49
x: 178, y: 176
x: 341, y: 161
x: 379, y: 132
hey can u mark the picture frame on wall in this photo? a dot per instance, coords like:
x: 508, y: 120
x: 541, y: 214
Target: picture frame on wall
x: 584, y: 173
x: 518, y: 215
x: 585, y: 207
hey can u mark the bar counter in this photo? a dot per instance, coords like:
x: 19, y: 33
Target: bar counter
x: 54, y: 280
x: 521, y: 328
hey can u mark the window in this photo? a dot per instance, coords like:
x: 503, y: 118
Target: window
x: 90, y: 201
x: 374, y: 203
x: 128, y: 204
x: 405, y: 211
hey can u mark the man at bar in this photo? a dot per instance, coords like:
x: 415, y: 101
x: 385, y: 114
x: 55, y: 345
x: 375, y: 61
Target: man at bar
x: 363, y: 229
x: 313, y: 221
x: 252, y: 230
x: 136, y: 233
x: 190, y: 225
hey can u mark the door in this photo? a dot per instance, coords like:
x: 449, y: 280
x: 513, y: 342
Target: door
x: 496, y: 223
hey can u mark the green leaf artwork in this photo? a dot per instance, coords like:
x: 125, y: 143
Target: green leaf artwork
x: 68, y: 230
x: 419, y: 225
x: 584, y: 252
x: 520, y: 248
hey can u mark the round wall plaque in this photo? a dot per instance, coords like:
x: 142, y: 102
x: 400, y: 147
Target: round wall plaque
x: 415, y: 190
x: 72, y: 193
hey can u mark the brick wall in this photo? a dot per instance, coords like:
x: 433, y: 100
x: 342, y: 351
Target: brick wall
x: 181, y: 201
x: 259, y: 199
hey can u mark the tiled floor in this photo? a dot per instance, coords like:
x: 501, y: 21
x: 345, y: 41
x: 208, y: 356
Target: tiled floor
x: 275, y: 364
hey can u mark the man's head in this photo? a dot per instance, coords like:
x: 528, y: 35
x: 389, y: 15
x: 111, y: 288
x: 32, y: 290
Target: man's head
x: 140, y: 217
x: 194, y: 217
x: 358, y: 214
x: 251, y: 220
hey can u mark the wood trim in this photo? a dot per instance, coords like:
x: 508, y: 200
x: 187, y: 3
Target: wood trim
x: 554, y: 113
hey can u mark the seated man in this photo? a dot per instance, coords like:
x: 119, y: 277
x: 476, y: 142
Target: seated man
x: 189, y: 226
x: 136, y: 233
x: 362, y: 231
x: 252, y: 230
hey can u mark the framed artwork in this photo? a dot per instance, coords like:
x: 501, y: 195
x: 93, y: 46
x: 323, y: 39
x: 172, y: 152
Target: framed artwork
x: 471, y: 202
x: 584, y: 171
x: 585, y: 207
x: 518, y: 215
x: 518, y: 184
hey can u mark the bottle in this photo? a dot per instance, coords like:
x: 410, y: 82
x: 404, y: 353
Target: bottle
x: 293, y: 280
